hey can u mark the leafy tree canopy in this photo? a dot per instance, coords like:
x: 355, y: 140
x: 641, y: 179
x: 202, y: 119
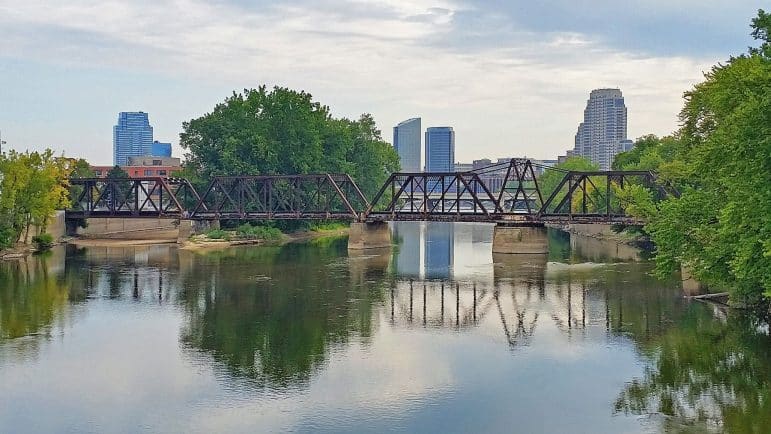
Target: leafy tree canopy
x: 32, y: 186
x: 117, y: 173
x: 720, y: 160
x: 549, y: 180
x: 283, y: 131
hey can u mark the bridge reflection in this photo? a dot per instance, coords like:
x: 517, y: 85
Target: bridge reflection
x: 305, y: 299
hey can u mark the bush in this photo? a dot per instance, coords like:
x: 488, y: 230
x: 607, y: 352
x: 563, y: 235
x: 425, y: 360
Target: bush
x: 7, y: 236
x: 217, y: 234
x: 43, y: 241
x: 249, y: 232
x: 329, y: 226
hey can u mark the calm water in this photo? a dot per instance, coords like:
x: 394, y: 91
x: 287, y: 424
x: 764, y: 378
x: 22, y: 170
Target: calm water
x: 437, y: 335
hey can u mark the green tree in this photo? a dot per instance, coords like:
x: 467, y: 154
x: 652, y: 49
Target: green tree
x: 117, y: 173
x: 283, y: 131
x: 551, y: 178
x: 32, y: 186
x: 720, y: 161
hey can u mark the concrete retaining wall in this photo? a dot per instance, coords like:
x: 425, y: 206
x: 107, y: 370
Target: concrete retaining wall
x: 130, y: 229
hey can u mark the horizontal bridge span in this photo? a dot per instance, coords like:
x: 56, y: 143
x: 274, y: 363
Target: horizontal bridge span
x: 502, y: 193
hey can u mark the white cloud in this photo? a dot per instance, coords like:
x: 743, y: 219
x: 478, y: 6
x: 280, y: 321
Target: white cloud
x: 522, y: 94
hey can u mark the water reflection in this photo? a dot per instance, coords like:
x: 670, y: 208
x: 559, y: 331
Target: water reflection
x: 272, y: 314
x: 705, y: 375
x: 420, y: 338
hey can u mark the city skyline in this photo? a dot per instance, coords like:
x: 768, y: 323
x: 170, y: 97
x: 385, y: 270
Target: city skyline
x: 497, y: 74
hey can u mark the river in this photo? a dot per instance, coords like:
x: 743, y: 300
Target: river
x: 434, y: 335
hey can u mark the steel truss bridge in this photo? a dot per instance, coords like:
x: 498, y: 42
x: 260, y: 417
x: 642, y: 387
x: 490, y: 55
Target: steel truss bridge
x: 579, y: 197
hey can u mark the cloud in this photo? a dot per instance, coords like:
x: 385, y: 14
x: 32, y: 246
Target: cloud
x: 509, y: 85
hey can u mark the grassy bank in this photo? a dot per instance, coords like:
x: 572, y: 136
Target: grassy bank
x: 248, y: 234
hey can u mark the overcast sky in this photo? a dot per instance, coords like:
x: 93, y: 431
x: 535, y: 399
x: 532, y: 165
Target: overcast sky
x: 512, y: 77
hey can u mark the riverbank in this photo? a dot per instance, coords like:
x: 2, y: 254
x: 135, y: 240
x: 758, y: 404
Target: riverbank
x: 606, y: 233
x: 200, y: 242
x: 17, y: 252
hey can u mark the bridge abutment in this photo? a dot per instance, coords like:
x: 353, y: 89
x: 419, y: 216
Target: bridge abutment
x: 369, y: 235
x: 530, y: 240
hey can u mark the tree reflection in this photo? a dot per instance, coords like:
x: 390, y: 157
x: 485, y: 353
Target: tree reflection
x: 273, y: 314
x: 706, y: 375
x: 32, y: 296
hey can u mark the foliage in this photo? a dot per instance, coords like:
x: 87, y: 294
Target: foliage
x: 328, y: 226
x: 719, y: 160
x: 550, y: 179
x: 117, y: 173
x: 32, y: 186
x: 284, y: 132
x: 7, y: 237
x: 258, y: 232
x: 217, y: 234
x: 43, y: 241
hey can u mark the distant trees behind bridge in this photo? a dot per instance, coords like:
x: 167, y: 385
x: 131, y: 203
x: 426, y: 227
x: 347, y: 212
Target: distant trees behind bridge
x: 283, y: 131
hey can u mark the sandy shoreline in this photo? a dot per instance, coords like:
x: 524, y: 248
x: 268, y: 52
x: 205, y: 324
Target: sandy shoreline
x: 293, y: 237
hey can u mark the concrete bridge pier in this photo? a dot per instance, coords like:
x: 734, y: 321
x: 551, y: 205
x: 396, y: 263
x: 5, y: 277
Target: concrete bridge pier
x: 369, y: 235
x: 530, y: 240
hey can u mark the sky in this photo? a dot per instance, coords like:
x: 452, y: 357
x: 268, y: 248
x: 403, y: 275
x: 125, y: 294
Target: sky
x: 511, y: 77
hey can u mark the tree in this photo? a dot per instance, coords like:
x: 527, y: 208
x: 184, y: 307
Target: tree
x: 550, y: 179
x: 32, y: 187
x: 284, y: 132
x: 117, y: 173
x: 719, y: 160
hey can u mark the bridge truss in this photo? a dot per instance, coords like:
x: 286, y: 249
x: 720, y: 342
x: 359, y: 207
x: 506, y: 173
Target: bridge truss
x: 504, y: 192
x: 281, y: 197
x: 130, y: 197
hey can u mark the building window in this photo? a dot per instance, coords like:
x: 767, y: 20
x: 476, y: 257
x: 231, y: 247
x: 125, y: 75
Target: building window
x: 148, y: 173
x: 157, y: 162
x: 98, y: 172
x: 161, y: 173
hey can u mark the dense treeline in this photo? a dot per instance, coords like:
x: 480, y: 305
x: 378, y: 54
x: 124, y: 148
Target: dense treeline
x: 720, y: 161
x: 283, y: 131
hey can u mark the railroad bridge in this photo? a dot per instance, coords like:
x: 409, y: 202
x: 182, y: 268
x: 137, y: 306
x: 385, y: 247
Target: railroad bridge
x: 516, y: 204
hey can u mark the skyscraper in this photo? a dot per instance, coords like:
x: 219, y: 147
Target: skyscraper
x: 132, y: 137
x: 602, y: 134
x: 407, y: 144
x: 440, y: 149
